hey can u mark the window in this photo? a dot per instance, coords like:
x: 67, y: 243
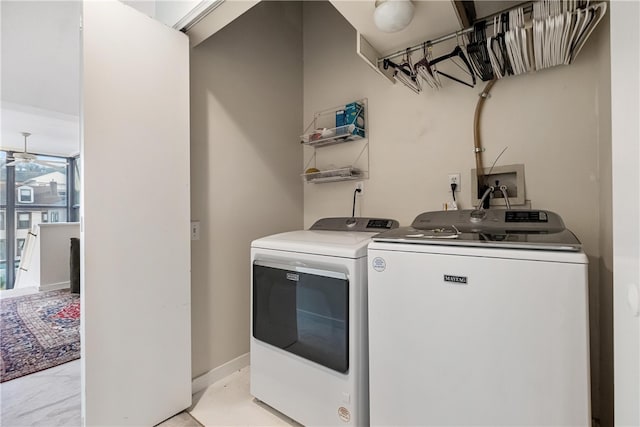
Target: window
x: 31, y: 194
x: 19, y: 247
x: 75, y: 193
x: 24, y: 220
x: 25, y: 194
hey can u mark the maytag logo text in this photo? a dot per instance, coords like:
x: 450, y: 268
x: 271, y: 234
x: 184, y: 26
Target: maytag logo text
x: 461, y: 280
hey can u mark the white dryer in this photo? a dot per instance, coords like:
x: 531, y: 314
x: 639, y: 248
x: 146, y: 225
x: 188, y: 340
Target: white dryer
x: 309, y: 321
x: 479, y: 318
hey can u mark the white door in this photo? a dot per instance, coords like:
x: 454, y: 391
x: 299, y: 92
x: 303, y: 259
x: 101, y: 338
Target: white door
x: 625, y: 110
x: 136, y: 337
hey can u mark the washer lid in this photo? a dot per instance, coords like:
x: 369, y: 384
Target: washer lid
x: 344, y: 244
x: 512, y: 229
x: 563, y: 240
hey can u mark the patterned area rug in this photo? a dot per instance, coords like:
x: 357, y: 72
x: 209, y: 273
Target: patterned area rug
x: 38, y: 331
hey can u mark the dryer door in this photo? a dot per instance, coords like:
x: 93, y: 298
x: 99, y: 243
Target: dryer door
x: 303, y: 311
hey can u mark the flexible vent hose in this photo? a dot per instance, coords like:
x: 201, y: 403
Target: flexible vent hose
x: 476, y: 130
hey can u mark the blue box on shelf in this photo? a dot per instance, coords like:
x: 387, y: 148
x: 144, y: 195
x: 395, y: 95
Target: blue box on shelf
x: 340, y: 121
x: 340, y: 118
x: 354, y: 115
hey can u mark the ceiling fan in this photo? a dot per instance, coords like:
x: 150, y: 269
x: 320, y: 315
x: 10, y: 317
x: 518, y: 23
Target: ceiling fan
x: 25, y: 157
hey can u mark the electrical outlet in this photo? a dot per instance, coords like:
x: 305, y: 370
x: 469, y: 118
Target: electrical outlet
x: 360, y: 186
x: 454, y: 178
x: 195, y: 230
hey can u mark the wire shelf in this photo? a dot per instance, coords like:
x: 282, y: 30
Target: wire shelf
x: 332, y: 175
x: 332, y: 136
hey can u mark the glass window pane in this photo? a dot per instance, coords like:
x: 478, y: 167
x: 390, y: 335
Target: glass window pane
x: 23, y: 220
x: 40, y: 184
x: 39, y: 196
x: 19, y: 247
x: 3, y: 264
x: 3, y: 249
x: 3, y: 178
x: 56, y: 215
x: 76, y: 189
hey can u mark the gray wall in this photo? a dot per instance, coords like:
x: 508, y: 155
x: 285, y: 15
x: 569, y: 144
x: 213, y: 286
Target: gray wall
x: 556, y: 122
x: 246, y: 104
x: 247, y: 93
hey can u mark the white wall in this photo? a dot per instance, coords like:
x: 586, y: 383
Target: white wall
x: 55, y: 252
x: 40, y: 61
x: 602, y: 290
x: 554, y: 121
x: 148, y: 7
x: 47, y: 265
x: 246, y: 103
x: 625, y: 88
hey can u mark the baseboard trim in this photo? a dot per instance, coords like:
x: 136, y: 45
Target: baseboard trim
x: 216, y: 374
x: 54, y: 286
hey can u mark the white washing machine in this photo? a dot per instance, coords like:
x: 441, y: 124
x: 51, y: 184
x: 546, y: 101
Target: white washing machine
x: 479, y: 318
x: 309, y: 321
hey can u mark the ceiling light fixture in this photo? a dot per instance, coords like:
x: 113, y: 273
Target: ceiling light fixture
x: 393, y: 15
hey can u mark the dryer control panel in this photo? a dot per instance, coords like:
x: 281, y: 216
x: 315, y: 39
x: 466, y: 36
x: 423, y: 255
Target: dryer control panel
x: 355, y: 224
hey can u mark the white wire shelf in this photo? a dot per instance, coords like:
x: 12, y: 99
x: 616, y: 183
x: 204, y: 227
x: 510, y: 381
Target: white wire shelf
x: 332, y: 136
x: 332, y: 175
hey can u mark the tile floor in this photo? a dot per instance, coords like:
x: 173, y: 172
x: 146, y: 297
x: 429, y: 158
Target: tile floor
x: 52, y: 398
x: 46, y: 398
x: 228, y: 403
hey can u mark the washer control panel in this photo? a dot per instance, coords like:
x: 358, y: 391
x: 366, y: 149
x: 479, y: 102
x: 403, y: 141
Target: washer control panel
x: 491, y: 220
x: 355, y: 224
x: 525, y: 216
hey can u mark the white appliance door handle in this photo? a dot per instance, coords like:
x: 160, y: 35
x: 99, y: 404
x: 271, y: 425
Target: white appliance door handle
x: 633, y: 298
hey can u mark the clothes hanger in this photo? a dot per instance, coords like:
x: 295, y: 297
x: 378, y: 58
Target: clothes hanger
x: 568, y: 26
x: 538, y: 31
x: 477, y: 51
x: 495, y: 64
x: 456, y: 53
x: 516, y: 40
x: 497, y: 48
x: 405, y: 73
x: 510, y: 43
x: 525, y: 43
x: 412, y: 82
x: 424, y: 70
x: 597, y: 13
x: 504, y: 26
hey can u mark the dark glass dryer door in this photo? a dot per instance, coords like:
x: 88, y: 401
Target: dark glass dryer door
x: 304, y: 311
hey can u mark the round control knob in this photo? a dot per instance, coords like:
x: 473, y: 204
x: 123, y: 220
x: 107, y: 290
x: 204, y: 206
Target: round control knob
x: 477, y: 216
